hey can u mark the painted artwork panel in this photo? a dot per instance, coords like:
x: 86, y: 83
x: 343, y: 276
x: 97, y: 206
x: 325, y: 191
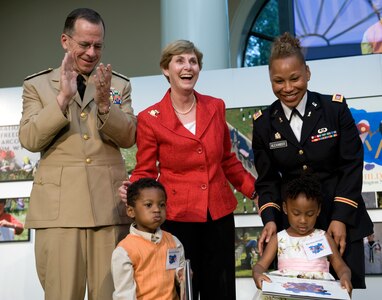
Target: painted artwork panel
x: 13, y: 211
x: 240, y: 125
x: 16, y: 163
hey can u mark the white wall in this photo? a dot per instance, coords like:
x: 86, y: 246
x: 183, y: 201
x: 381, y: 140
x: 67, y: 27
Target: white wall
x: 353, y: 77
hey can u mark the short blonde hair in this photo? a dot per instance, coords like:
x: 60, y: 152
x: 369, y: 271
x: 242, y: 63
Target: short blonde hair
x: 176, y: 48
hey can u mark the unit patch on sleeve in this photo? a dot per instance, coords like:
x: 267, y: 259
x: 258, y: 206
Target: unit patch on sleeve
x: 337, y: 98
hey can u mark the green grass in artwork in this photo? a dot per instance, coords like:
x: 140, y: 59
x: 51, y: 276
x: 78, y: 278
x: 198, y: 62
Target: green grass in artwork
x: 241, y: 118
x: 246, y: 251
x: 129, y: 157
x: 244, y: 204
x: 21, y: 217
x: 16, y: 175
x: 19, y: 214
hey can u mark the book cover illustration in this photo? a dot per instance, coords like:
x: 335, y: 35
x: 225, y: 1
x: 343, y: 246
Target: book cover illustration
x: 299, y: 288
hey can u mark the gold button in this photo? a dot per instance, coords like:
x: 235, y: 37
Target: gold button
x: 83, y: 115
x: 301, y: 152
x: 88, y: 160
x: 304, y: 167
x: 86, y: 137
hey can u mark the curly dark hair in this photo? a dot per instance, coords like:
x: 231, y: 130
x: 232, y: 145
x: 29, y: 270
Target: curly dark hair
x: 308, y: 185
x: 134, y: 190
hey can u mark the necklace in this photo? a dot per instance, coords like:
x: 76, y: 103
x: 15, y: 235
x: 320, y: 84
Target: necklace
x: 184, y: 112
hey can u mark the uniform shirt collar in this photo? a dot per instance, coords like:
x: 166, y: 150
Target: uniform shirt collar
x: 152, y: 237
x: 300, y: 107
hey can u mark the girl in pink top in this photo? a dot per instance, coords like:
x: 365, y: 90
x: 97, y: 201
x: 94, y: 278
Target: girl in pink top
x: 302, y: 250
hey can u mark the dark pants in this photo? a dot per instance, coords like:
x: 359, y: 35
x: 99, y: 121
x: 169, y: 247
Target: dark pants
x: 354, y: 257
x: 210, y: 247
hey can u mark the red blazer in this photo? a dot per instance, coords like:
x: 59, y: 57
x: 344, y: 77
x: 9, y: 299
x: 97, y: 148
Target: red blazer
x: 195, y: 169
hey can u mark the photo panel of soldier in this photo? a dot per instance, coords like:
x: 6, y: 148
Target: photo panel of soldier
x: 370, y: 199
x: 246, y: 250
x: 12, y: 219
x: 373, y: 251
x: 379, y: 199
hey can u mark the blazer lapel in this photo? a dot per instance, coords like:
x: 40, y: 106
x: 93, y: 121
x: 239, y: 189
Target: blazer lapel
x: 204, y: 114
x: 169, y: 119
x: 311, y: 117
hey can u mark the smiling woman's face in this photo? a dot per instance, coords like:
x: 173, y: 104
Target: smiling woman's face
x: 289, y: 78
x: 183, y: 71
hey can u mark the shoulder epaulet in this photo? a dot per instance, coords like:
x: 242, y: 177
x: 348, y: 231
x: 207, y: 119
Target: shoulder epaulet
x: 257, y: 115
x: 120, y: 75
x: 39, y: 73
x: 338, y: 98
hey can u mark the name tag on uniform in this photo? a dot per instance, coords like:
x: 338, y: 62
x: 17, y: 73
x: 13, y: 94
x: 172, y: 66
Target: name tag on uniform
x: 277, y: 145
x: 172, y: 260
x: 317, y: 247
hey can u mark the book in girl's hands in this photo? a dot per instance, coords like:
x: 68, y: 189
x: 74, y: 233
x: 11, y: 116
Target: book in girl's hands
x: 300, y: 288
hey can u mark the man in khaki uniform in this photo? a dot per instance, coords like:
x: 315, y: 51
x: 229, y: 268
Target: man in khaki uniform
x: 74, y: 206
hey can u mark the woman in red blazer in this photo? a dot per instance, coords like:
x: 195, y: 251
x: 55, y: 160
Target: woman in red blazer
x: 184, y: 141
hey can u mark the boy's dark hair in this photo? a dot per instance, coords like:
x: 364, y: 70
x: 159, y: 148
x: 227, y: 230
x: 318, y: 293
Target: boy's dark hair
x: 136, y: 187
x: 307, y: 185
